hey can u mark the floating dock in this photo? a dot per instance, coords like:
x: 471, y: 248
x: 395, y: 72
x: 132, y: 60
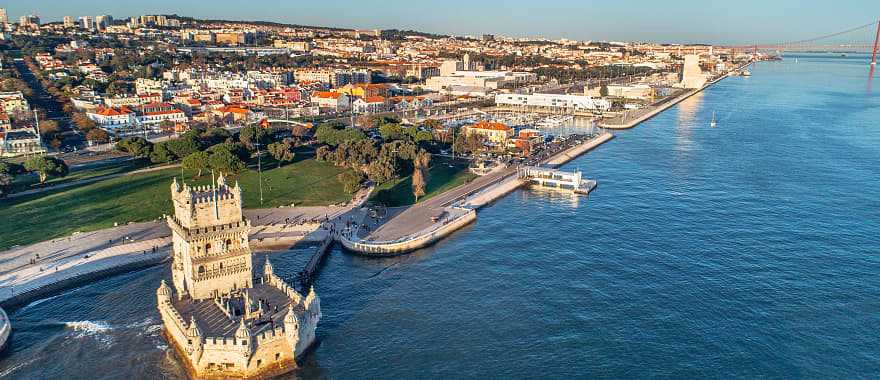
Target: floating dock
x: 556, y: 179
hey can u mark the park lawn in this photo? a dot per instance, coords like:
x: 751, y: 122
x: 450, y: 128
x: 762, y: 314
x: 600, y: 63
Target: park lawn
x: 442, y: 178
x: 146, y: 196
x: 304, y: 183
x: 32, y: 181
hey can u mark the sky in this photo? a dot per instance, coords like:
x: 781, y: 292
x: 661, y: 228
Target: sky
x: 682, y: 21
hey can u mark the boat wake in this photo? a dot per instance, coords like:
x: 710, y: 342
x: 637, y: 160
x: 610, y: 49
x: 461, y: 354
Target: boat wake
x: 9, y: 371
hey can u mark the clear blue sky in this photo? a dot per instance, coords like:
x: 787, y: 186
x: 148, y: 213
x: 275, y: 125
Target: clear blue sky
x: 710, y: 21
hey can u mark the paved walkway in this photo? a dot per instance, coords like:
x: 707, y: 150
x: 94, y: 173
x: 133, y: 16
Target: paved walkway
x: 33, y: 277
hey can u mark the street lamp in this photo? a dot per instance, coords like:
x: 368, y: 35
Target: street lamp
x: 260, y: 171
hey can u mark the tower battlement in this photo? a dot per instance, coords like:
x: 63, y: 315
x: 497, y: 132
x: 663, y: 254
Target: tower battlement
x: 204, y: 206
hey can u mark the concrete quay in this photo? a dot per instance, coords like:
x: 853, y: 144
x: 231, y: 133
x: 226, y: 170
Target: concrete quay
x: 653, y: 110
x: 666, y: 103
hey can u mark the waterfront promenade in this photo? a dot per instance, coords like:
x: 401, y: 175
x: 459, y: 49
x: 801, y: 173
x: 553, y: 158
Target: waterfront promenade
x: 423, y: 224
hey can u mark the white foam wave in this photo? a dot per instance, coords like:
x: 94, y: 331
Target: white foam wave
x: 88, y: 326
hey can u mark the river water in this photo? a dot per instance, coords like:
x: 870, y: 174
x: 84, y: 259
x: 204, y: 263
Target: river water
x: 746, y: 250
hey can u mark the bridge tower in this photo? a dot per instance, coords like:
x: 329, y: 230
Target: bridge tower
x: 876, y: 40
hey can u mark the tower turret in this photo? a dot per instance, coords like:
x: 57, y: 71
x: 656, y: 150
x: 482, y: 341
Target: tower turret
x: 163, y: 293
x: 267, y: 268
x: 291, y: 327
x: 193, y: 330
x: 242, y: 332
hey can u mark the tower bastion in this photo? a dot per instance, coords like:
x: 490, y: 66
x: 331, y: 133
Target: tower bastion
x: 222, y: 319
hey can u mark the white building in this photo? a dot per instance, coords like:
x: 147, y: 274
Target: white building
x: 691, y: 73
x: 85, y: 22
x: 557, y: 101
x: 478, y: 79
x: 636, y: 91
x: 111, y: 118
x: 370, y: 104
x: 159, y: 116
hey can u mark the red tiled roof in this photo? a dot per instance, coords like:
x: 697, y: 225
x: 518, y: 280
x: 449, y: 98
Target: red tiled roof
x: 326, y: 94
x: 233, y: 109
x: 490, y: 126
x: 113, y: 112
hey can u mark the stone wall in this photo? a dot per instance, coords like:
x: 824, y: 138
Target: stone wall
x: 420, y: 241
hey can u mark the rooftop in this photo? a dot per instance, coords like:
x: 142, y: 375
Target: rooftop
x: 213, y: 321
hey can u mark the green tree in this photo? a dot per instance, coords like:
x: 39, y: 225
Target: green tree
x: 391, y: 132
x: 329, y: 134
x: 5, y: 184
x: 184, y: 146
x: 323, y: 153
x: 282, y: 151
x: 603, y: 91
x: 46, y: 167
x: 423, y: 136
x: 8, y: 171
x: 11, y: 168
x: 214, y: 136
x: 138, y: 147
x: 224, y: 160
x: 351, y: 180
x: 252, y: 135
x: 196, y: 161
x: 381, y: 170
x: 162, y: 154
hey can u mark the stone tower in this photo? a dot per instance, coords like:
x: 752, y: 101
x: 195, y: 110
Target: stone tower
x: 211, y: 255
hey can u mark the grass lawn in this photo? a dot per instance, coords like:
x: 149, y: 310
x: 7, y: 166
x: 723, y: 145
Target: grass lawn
x: 442, y: 178
x: 32, y: 181
x: 146, y: 196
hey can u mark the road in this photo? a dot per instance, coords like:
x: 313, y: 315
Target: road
x: 54, y: 109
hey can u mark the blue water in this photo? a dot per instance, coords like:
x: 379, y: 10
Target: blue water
x: 746, y: 250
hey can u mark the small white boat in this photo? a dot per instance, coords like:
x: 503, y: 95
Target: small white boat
x: 713, y: 123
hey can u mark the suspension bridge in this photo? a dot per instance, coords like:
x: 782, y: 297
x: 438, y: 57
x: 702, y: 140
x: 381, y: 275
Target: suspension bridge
x: 858, y: 39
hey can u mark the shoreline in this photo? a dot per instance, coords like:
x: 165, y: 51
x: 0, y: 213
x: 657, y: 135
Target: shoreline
x: 667, y: 103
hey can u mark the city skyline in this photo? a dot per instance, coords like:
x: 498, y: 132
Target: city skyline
x: 684, y: 22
